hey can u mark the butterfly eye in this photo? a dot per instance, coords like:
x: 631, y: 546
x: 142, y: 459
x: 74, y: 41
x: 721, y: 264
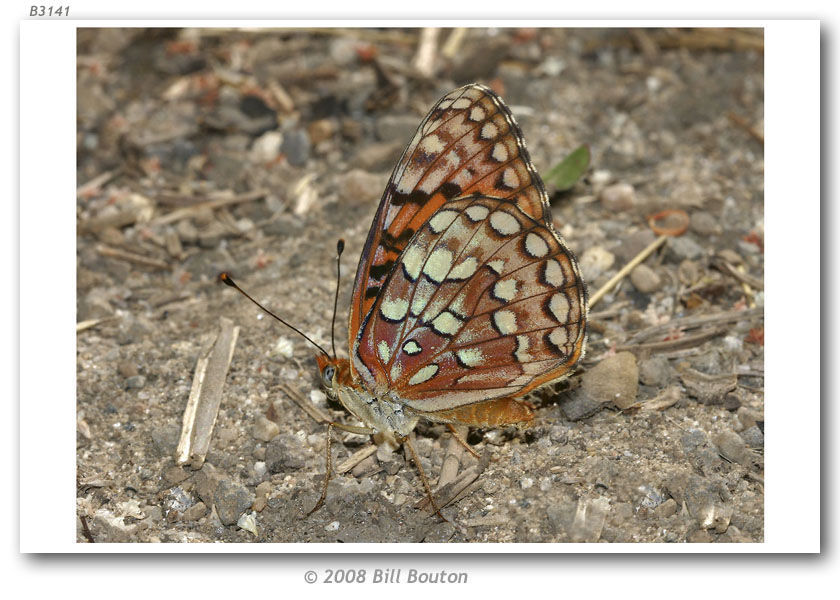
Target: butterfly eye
x: 327, y: 375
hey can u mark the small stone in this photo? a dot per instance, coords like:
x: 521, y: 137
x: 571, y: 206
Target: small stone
x: 165, y: 439
x: 704, y: 224
x: 231, y: 500
x: 136, y: 382
x: 619, y: 197
x: 699, y: 450
x: 320, y: 130
x: 260, y: 468
x: 261, y: 499
x: 748, y: 417
x: 266, y: 148
x: 264, y: 488
x: 195, y: 512
x: 589, y: 520
x: 317, y: 397
x: 206, y: 481
x: 212, y: 235
x: 94, y: 306
x: 632, y: 244
x: 284, y: 453
x: 705, y: 504
x: 666, y: 509
x: 753, y: 437
x: 595, y: 261
x: 175, y: 475
x: 688, y: 272
x: 561, y: 515
x: 526, y: 482
x: 645, y: 279
x: 655, y: 371
x: 333, y: 526
x: 296, y: 147
x: 732, y: 401
x: 614, y: 380
x: 248, y: 522
x: 126, y: 368
x: 684, y: 248
x: 733, y: 448
x: 186, y: 231
x: 265, y: 430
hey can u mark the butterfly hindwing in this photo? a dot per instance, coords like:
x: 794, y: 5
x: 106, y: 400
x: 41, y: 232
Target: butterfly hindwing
x: 484, y: 302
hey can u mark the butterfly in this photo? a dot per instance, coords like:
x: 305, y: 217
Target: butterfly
x: 465, y: 299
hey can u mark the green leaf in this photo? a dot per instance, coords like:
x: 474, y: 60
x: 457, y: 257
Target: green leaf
x: 568, y: 171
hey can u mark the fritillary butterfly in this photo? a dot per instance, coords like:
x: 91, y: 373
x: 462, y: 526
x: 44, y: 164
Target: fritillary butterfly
x: 466, y: 299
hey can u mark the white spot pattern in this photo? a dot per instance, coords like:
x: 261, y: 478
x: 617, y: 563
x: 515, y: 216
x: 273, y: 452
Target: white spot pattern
x: 424, y: 374
x: 438, y: 265
x: 394, y: 310
x: 504, y: 223
x: 505, y: 321
x: 535, y: 245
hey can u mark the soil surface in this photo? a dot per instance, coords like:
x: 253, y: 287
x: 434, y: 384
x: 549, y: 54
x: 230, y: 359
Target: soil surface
x: 253, y: 152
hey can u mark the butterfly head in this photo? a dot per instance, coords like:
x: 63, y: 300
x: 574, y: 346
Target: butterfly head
x: 333, y: 371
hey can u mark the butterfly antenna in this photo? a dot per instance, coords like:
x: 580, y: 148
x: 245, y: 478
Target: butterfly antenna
x: 339, y: 248
x: 226, y: 278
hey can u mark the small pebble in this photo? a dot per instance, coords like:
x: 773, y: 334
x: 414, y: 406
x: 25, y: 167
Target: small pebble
x: 127, y: 369
x: 753, y: 437
x: 595, y: 261
x: 320, y: 130
x: 704, y: 224
x: 231, y: 499
x: 688, y: 272
x: 318, y: 397
x: 619, y: 197
x: 332, y: 526
x: 645, y: 279
x: 296, y: 146
x: 684, y: 248
x: 266, y: 148
x: 666, y: 509
x: 248, y: 522
x: 260, y: 469
x: 136, y: 382
x: 284, y: 347
x: 195, y: 512
x: 265, y: 429
x: 655, y: 371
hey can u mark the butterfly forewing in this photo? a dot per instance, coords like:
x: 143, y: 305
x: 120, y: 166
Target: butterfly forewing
x: 468, y: 143
x: 465, y: 294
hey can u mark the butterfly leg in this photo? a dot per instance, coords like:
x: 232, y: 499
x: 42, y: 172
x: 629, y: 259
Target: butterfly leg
x: 330, y: 425
x: 423, y: 478
x: 462, y: 441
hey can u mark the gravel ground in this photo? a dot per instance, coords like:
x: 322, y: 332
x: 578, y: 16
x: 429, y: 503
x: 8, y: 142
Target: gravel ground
x: 201, y: 151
